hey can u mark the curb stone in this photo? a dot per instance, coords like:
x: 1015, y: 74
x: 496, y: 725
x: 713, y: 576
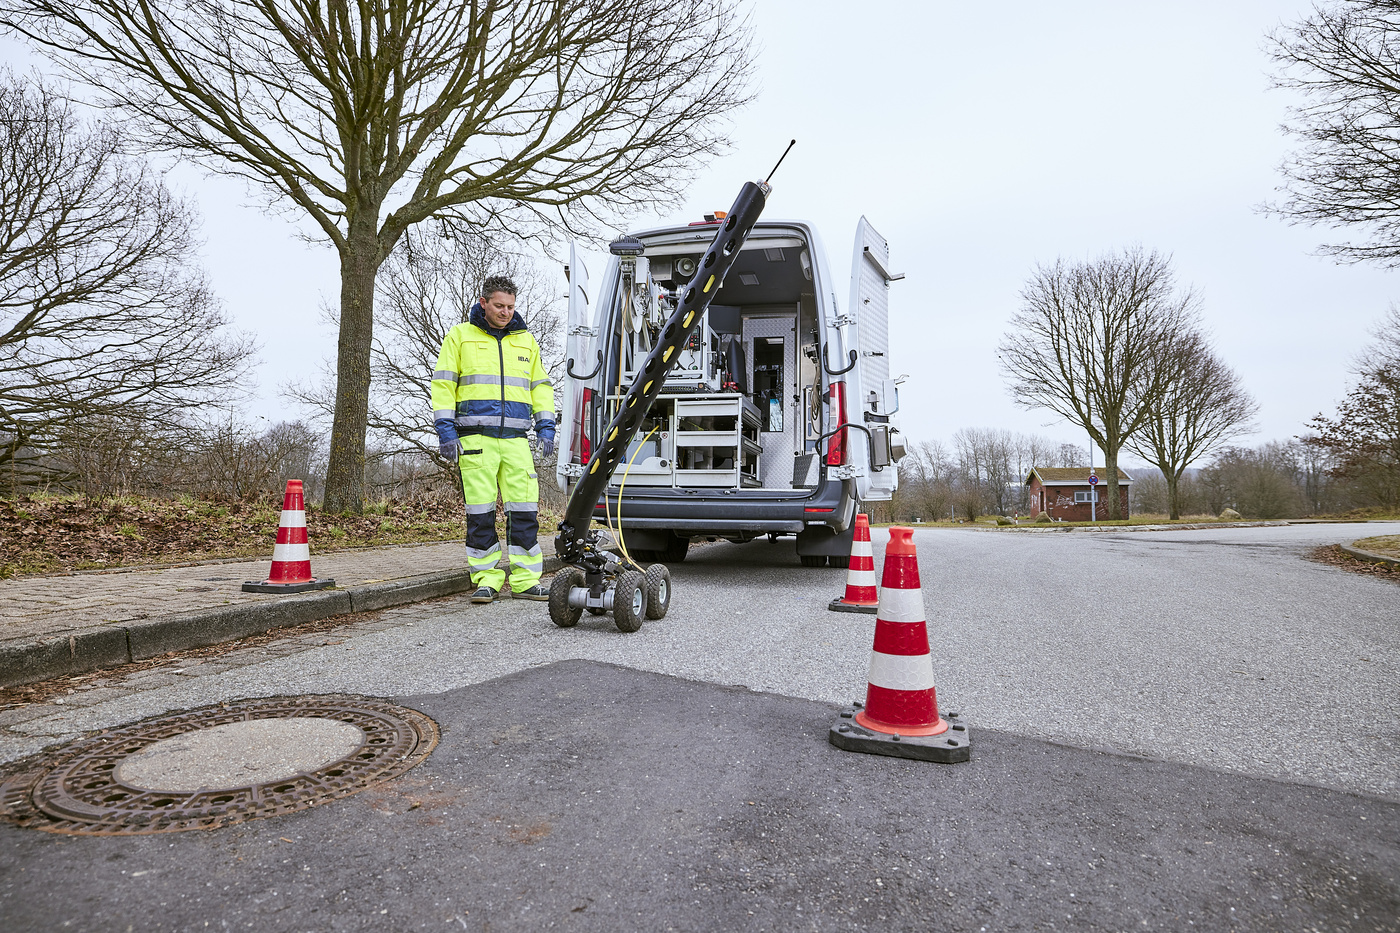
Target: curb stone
x: 23, y: 662
x: 1370, y: 556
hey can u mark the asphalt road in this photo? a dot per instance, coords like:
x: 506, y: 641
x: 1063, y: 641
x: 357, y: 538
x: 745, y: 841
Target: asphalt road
x: 1264, y: 686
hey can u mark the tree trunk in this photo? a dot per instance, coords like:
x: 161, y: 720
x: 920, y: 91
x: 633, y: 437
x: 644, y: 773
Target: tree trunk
x: 1110, y: 482
x: 1173, y: 496
x: 359, y: 264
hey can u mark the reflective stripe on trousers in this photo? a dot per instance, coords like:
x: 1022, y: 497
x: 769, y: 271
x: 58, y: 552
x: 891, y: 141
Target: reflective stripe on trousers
x: 504, y: 466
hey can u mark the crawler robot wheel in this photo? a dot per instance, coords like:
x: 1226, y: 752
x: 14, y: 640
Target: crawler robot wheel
x: 562, y: 614
x: 657, y: 586
x: 629, y: 601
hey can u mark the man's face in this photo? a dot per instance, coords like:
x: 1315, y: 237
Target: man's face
x: 499, y: 308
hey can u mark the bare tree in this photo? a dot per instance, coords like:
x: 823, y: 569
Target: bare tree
x: 1345, y: 59
x: 373, y: 115
x: 1363, y: 440
x: 428, y: 286
x: 926, y: 481
x: 1088, y: 341
x: 1199, y: 407
x: 104, y: 312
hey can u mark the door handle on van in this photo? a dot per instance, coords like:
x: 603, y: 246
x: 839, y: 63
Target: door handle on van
x: 838, y: 372
x: 570, y: 368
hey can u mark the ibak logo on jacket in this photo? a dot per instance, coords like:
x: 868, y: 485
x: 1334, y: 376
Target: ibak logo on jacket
x: 491, y: 381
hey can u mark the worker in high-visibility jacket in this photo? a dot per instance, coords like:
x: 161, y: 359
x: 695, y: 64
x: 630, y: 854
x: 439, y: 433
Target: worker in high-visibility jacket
x: 489, y: 388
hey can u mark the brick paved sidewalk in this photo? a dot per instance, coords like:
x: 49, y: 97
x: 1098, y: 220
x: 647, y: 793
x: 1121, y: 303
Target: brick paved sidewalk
x: 86, y: 621
x: 34, y: 607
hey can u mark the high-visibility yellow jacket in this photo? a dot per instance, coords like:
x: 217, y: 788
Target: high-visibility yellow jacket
x: 491, y: 382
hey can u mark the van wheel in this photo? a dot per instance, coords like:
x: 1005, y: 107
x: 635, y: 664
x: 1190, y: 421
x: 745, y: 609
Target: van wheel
x: 674, y: 552
x: 841, y: 562
x: 644, y: 556
x: 629, y: 602
x: 562, y: 614
x: 812, y: 560
x: 658, y: 590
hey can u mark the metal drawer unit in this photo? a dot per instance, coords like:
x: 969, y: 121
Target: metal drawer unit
x: 716, y: 441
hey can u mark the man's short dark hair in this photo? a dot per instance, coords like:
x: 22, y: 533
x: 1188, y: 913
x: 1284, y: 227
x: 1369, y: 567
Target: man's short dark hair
x: 497, y: 283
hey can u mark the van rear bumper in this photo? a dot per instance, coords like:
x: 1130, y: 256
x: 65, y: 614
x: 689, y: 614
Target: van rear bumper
x: 737, y: 511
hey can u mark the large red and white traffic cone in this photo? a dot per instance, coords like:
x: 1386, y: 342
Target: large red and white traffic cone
x: 860, y: 595
x: 900, y: 714
x: 291, y: 555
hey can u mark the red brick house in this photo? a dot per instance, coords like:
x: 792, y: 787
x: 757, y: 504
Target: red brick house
x: 1064, y: 493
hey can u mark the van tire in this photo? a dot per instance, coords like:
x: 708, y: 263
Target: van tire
x: 812, y: 560
x: 841, y: 563
x: 674, y: 552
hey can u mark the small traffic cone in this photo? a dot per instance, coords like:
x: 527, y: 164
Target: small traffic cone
x: 900, y: 713
x: 860, y: 593
x: 291, y: 555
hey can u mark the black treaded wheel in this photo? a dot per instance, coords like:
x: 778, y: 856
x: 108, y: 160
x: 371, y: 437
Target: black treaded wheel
x: 657, y: 586
x: 674, y: 552
x: 812, y: 560
x: 629, y: 601
x: 562, y: 614
x: 842, y: 563
x: 644, y: 556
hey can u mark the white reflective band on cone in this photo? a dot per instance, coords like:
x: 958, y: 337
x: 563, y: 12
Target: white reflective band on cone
x: 901, y: 605
x: 291, y: 519
x: 901, y: 671
x: 860, y: 578
x: 861, y: 549
x: 291, y: 552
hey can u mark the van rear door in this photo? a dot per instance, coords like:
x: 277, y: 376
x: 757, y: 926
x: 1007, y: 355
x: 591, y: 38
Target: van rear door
x: 869, y: 383
x: 581, y: 359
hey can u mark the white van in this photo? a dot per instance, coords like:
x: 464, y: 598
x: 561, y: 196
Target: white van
x: 778, y: 419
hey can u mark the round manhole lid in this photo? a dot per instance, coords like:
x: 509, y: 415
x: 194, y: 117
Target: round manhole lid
x: 217, y: 766
x: 236, y: 754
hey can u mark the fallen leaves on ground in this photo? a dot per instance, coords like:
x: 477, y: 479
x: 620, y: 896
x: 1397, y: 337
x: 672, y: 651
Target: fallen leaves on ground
x: 1334, y: 555
x: 57, y: 534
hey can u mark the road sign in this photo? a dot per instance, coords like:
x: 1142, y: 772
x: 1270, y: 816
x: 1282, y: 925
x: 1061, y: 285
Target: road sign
x: 1093, y: 479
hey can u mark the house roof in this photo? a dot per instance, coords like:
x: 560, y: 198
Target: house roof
x: 1072, y: 476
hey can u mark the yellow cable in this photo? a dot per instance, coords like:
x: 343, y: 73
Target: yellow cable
x: 607, y: 512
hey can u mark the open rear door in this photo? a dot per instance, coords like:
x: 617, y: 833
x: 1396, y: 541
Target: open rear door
x: 579, y: 360
x: 869, y: 383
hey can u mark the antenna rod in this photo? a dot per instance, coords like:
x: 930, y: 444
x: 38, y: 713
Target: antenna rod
x: 780, y: 161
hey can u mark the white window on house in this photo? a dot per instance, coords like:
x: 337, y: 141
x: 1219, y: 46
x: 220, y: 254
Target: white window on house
x: 1087, y: 496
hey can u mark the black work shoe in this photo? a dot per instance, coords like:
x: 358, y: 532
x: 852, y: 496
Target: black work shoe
x: 534, y: 592
x: 484, y: 594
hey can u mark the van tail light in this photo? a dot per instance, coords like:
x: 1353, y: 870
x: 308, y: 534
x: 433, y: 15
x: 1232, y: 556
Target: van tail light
x: 836, y: 446
x: 582, y: 448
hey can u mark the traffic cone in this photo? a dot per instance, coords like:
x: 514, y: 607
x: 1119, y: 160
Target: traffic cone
x: 860, y: 593
x: 900, y: 714
x: 291, y: 555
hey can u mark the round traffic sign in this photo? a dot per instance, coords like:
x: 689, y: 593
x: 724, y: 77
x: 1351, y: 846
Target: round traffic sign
x: 1093, y: 479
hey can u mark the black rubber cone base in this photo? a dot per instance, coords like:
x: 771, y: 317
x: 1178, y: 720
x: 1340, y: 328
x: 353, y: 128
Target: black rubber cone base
x: 952, y: 746
x: 254, y: 587
x: 840, y: 605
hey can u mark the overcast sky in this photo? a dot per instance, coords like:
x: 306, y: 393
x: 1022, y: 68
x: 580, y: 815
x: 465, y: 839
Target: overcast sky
x: 980, y: 141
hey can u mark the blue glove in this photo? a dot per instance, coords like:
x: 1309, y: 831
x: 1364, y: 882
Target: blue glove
x: 448, y: 447
x: 545, y: 431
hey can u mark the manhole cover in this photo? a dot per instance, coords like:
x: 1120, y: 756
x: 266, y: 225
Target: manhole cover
x: 217, y: 765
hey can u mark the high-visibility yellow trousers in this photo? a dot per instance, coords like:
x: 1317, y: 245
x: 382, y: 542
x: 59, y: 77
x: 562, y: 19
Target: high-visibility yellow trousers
x: 489, y: 464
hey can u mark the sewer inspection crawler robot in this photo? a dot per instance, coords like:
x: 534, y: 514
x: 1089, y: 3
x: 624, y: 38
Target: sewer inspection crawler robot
x: 595, y: 579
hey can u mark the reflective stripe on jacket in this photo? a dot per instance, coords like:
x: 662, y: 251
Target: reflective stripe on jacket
x: 492, y: 385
